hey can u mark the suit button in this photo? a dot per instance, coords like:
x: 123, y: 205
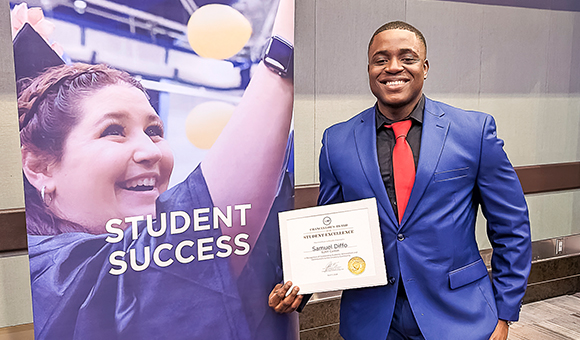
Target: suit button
x: 400, y: 237
x: 392, y: 280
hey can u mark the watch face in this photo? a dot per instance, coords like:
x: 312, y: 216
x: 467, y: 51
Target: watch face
x: 279, y: 54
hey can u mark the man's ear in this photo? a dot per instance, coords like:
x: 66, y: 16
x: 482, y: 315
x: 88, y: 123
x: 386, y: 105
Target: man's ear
x: 425, y: 69
x: 37, y: 170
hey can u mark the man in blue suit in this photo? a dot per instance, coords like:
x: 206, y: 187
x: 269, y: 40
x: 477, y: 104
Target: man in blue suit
x: 438, y: 284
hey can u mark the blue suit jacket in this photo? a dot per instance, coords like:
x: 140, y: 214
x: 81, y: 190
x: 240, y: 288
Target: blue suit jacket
x: 461, y: 165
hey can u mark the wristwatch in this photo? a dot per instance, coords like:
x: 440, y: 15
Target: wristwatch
x: 509, y: 323
x: 279, y: 56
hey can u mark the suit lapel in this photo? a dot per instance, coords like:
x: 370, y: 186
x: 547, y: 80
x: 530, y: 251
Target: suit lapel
x: 434, y: 132
x: 365, y: 137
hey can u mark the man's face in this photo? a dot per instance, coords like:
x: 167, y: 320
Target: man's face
x: 397, y: 68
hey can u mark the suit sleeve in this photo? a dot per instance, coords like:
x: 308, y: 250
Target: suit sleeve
x: 330, y: 189
x: 508, y: 227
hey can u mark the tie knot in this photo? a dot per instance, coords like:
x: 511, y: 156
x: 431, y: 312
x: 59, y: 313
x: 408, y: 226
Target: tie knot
x: 400, y: 128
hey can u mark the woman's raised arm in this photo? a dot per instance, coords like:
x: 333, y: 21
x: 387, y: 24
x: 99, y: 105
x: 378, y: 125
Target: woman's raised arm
x: 245, y: 163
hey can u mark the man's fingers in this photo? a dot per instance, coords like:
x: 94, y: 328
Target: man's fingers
x: 296, y: 302
x: 278, y: 295
x: 285, y: 301
x: 274, y: 298
x: 286, y: 306
x: 282, y: 303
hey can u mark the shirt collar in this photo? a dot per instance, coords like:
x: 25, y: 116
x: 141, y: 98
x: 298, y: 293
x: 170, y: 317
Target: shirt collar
x: 416, y: 114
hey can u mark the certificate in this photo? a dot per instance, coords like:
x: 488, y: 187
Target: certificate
x: 333, y: 247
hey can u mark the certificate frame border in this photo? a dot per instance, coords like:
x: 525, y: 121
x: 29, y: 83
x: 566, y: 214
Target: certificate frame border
x: 380, y: 277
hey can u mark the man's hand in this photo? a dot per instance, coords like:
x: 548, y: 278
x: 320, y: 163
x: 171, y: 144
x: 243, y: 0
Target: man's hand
x: 501, y: 331
x: 280, y: 302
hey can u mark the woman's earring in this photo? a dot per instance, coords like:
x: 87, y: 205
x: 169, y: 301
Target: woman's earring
x: 45, y: 196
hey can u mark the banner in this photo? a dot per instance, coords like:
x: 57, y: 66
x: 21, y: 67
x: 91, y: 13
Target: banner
x: 156, y: 152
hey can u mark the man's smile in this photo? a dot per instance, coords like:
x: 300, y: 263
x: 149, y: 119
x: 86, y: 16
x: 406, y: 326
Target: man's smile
x: 394, y: 84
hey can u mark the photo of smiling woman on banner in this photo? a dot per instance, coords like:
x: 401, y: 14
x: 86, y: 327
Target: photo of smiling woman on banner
x: 116, y: 252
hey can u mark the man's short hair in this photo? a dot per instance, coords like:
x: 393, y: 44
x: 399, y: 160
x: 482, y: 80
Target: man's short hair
x: 399, y: 25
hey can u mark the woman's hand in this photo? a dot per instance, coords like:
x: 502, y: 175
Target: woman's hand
x: 21, y: 14
x: 281, y: 303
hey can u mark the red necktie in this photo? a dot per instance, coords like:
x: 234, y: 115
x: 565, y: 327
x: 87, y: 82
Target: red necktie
x: 403, y: 165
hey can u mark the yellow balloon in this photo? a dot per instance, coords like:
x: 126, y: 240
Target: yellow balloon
x: 206, y: 121
x: 218, y: 31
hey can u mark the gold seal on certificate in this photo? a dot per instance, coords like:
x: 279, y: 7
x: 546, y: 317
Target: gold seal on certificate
x: 356, y: 265
x: 333, y: 247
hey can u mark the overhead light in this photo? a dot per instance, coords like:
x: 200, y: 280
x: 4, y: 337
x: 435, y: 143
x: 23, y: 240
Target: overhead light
x: 80, y: 6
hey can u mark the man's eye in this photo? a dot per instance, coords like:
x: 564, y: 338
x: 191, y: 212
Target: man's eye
x: 113, y: 130
x: 154, y: 131
x: 381, y: 61
x: 409, y: 60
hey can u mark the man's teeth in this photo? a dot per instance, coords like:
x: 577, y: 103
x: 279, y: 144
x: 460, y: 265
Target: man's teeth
x: 141, y: 182
x: 397, y: 82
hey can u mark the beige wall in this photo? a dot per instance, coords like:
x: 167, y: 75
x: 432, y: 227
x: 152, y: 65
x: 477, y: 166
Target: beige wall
x: 15, y: 306
x: 520, y: 65
x: 10, y: 173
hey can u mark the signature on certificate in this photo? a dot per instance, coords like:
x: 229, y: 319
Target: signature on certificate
x: 332, y: 267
